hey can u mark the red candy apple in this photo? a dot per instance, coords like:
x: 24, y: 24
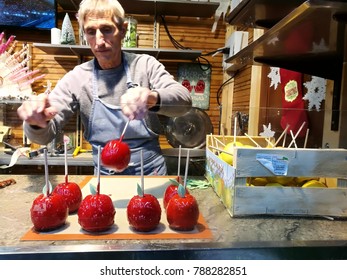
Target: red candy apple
x: 72, y: 194
x: 170, y: 191
x: 96, y: 212
x: 49, y: 211
x: 143, y: 211
x: 182, y: 211
x: 116, y: 155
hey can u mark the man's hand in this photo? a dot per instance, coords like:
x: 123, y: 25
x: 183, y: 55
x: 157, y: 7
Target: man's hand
x: 37, y: 111
x: 136, y: 101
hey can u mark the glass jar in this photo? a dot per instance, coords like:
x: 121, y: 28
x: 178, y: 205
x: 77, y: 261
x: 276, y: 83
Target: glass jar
x: 130, y: 39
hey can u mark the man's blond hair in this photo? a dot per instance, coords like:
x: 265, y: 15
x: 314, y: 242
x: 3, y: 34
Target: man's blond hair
x: 102, y: 7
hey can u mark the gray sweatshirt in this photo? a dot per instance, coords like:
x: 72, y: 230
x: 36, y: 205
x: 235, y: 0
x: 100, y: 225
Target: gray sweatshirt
x: 74, y: 92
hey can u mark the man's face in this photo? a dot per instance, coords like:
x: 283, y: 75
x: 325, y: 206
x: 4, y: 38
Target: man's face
x: 104, y: 38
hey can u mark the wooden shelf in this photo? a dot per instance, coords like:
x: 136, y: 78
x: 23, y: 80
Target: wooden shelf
x: 157, y: 7
x: 261, y: 13
x: 312, y: 40
x: 82, y: 51
x: 306, y: 40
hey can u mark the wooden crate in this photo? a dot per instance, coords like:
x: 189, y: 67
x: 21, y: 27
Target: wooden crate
x: 231, y: 183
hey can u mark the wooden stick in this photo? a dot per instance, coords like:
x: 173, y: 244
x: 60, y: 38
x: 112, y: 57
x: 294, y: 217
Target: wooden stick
x: 306, y: 137
x: 25, y: 75
x: 220, y: 150
x: 46, y: 173
x: 32, y: 80
x: 279, y: 138
x: 123, y: 132
x: 12, y: 47
x: 179, y: 161
x: 296, y: 134
x: 186, y: 171
x: 65, y: 162
x: 293, y: 137
x: 142, y: 176
x: 250, y: 138
x: 284, y: 140
x: 17, y: 73
x: 220, y: 142
x: 212, y: 139
x: 98, y: 174
x: 269, y: 142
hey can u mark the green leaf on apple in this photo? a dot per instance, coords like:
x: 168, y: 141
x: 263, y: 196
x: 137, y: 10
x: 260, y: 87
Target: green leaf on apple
x: 174, y: 182
x: 50, y: 188
x: 92, y: 189
x: 139, y: 190
x: 181, y: 190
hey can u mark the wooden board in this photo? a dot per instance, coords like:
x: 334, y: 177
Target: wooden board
x: 122, y: 189
x: 290, y: 201
x: 301, y: 162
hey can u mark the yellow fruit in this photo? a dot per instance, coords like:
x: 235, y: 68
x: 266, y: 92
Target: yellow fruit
x: 302, y: 180
x: 273, y: 185
x: 227, y: 158
x: 283, y: 180
x: 237, y: 144
x: 314, y: 184
x: 259, y: 181
x: 229, y: 149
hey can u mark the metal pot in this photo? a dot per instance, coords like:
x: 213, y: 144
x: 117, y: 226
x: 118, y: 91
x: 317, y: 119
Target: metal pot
x: 189, y: 130
x: 197, y: 161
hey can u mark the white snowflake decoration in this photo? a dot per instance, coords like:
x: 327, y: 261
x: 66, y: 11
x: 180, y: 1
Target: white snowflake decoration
x: 274, y: 76
x: 321, y: 47
x: 316, y: 89
x: 273, y: 41
x: 267, y: 131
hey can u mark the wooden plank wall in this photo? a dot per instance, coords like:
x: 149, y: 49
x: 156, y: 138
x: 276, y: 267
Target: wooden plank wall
x: 236, y: 93
x: 192, y: 33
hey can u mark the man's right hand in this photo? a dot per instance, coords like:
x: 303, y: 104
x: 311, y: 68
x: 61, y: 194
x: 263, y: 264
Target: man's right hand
x: 37, y: 111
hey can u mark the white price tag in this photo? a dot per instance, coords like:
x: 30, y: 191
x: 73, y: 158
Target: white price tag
x: 277, y: 164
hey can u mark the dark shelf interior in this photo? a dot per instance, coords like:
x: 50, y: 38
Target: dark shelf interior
x: 307, y: 40
x: 310, y: 39
x: 261, y: 13
x: 157, y: 7
x: 82, y: 51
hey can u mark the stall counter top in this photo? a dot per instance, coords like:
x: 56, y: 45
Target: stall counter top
x: 251, y: 237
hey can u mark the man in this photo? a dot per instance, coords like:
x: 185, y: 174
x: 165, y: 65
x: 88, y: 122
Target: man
x: 109, y: 90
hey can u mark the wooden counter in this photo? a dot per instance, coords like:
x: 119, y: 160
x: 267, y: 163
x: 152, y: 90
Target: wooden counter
x: 233, y: 238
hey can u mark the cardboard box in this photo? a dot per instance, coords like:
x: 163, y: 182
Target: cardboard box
x: 232, y: 182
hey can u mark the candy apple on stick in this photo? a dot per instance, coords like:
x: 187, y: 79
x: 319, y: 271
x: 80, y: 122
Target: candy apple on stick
x: 172, y: 189
x: 49, y: 210
x: 96, y: 212
x: 69, y: 190
x: 182, y: 211
x: 116, y: 153
x: 143, y: 210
